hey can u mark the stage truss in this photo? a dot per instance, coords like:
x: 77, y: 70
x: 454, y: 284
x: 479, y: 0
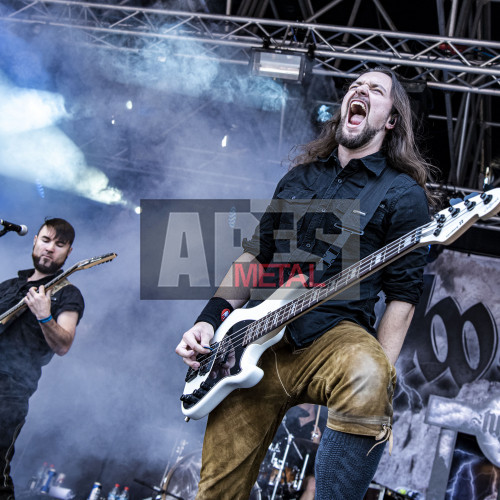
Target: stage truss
x: 467, y: 66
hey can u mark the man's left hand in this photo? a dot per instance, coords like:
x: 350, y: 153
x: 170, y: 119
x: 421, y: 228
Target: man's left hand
x: 39, y: 302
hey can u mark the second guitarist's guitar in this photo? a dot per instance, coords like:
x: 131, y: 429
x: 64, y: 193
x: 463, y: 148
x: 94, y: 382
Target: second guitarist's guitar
x: 240, y: 341
x: 58, y: 282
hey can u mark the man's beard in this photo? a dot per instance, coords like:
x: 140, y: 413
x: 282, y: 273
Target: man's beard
x: 356, y: 141
x: 49, y: 269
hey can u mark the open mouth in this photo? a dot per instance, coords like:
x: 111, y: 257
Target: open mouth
x: 357, y: 112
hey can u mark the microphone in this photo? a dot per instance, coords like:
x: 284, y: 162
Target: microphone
x: 21, y: 230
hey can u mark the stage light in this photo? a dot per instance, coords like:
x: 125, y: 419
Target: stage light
x: 278, y: 64
x: 129, y: 105
x: 138, y: 210
x: 224, y: 141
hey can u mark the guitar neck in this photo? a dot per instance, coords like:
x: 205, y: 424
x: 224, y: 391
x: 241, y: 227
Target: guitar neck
x: 21, y: 306
x: 333, y: 286
x: 60, y: 277
x: 18, y: 309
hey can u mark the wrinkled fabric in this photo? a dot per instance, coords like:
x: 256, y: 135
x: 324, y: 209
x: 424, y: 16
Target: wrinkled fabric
x: 346, y: 370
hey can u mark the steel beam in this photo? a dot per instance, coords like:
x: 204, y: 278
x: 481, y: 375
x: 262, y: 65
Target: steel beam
x: 106, y: 25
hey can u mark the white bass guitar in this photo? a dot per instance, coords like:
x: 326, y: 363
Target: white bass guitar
x: 240, y: 341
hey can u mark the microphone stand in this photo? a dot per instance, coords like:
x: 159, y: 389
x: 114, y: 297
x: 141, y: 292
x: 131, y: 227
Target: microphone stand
x: 289, y: 441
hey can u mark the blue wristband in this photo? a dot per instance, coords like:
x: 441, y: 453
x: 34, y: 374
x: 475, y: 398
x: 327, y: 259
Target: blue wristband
x: 45, y: 320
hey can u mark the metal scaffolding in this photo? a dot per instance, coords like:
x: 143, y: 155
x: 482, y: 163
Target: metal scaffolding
x: 460, y: 60
x: 444, y: 62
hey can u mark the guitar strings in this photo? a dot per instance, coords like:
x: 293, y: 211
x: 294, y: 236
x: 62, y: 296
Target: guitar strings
x: 366, y: 264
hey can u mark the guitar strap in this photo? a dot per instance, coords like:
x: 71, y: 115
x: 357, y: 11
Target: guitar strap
x: 356, y: 217
x: 60, y: 285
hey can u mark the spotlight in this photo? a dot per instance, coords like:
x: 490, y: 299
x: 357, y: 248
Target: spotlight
x: 129, y: 105
x: 138, y: 210
x: 278, y: 64
x: 224, y: 141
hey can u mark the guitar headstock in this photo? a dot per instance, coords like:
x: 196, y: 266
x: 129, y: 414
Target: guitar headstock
x: 450, y: 223
x: 95, y: 261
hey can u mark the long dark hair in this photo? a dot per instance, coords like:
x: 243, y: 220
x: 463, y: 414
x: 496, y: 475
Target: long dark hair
x: 399, y: 144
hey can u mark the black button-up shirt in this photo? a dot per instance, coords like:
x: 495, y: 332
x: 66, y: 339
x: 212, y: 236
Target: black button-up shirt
x: 304, y: 218
x: 23, y: 348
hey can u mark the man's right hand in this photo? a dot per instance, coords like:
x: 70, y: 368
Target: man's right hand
x: 192, y: 341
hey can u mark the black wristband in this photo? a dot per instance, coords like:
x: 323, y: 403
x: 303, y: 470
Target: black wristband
x: 215, y: 312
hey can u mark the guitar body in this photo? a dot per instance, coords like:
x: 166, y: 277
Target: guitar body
x: 236, y: 367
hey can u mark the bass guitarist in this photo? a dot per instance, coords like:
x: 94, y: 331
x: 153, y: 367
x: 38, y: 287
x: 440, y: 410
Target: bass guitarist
x: 331, y: 356
x: 30, y: 340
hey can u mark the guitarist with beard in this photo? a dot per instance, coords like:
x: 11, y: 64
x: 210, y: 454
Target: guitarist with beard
x: 30, y: 340
x: 332, y: 355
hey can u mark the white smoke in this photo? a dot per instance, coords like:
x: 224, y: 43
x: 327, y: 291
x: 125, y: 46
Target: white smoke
x: 34, y: 149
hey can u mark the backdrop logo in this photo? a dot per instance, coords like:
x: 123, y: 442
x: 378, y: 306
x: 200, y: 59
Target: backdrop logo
x: 447, y: 346
x: 187, y: 246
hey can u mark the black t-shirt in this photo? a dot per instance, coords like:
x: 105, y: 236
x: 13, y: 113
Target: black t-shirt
x: 23, y: 348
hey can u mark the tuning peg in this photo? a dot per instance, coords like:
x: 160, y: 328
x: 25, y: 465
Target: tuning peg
x: 469, y: 204
x: 455, y: 201
x: 486, y: 198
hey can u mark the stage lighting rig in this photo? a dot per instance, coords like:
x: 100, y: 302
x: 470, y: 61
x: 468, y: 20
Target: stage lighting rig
x: 279, y: 63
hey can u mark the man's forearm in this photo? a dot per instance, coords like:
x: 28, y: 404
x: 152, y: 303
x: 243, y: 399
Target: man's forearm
x: 57, y: 337
x: 238, y: 295
x: 61, y: 333
x: 393, y: 327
